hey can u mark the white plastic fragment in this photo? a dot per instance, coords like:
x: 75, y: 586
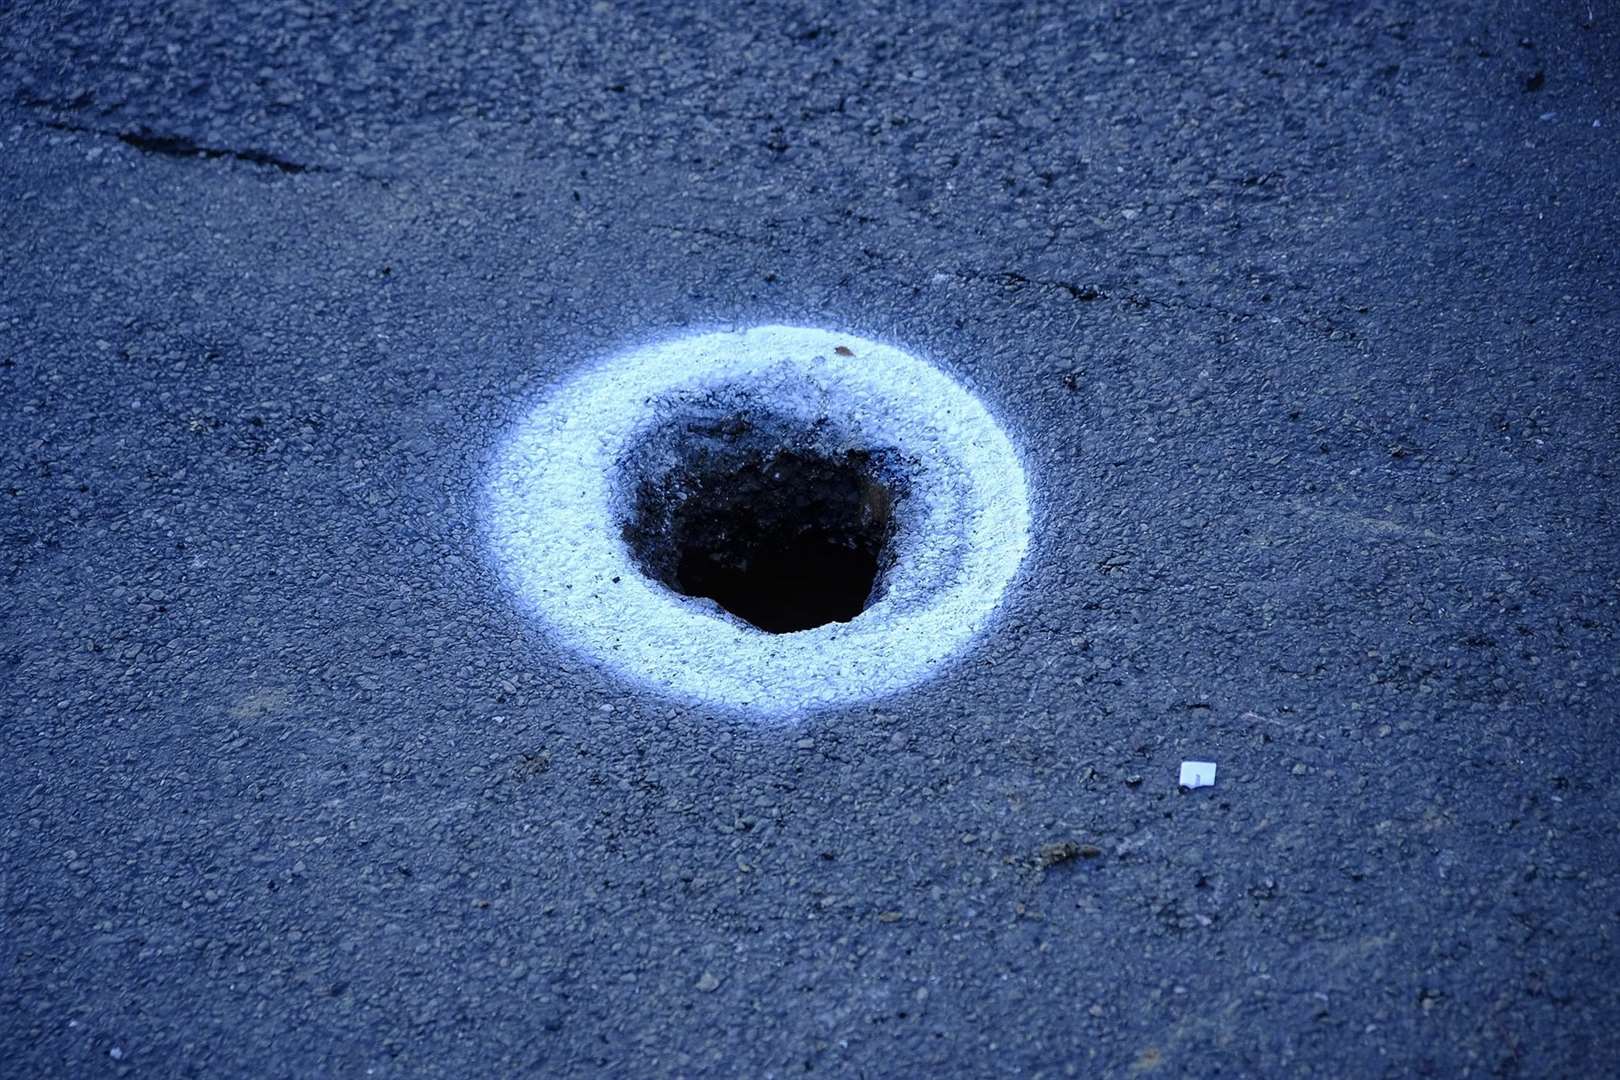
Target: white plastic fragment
x: 1197, y: 774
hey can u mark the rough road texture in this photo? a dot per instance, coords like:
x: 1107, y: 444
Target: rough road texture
x: 1306, y: 315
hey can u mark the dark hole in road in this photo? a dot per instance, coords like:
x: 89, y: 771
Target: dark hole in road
x: 781, y: 534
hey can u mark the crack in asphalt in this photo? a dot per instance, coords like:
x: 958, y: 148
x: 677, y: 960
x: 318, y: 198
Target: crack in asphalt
x: 178, y: 146
x: 1086, y: 293
x: 146, y: 141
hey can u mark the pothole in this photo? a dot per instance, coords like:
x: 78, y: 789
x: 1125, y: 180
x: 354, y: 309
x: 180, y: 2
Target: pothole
x: 777, y: 524
x: 777, y: 519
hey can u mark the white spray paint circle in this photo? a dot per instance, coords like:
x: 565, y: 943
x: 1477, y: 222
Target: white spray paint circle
x: 556, y: 526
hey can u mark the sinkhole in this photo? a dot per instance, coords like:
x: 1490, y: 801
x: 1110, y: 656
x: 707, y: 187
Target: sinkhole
x: 768, y: 519
x: 783, y: 525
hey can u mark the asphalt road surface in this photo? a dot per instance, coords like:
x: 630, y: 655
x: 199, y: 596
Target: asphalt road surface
x: 1305, y: 317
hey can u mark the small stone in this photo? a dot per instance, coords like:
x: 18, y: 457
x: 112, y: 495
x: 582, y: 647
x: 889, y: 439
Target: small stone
x: 889, y: 916
x: 1301, y: 769
x: 707, y: 983
x: 1055, y: 853
x: 806, y: 744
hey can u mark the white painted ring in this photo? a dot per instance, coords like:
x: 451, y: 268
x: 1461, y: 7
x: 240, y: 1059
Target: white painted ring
x: 555, y: 531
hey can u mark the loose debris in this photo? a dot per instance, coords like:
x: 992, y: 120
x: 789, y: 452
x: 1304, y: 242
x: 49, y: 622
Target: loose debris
x: 1063, y: 851
x: 1197, y: 774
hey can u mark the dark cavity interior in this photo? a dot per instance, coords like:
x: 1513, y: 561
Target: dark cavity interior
x: 783, y: 535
